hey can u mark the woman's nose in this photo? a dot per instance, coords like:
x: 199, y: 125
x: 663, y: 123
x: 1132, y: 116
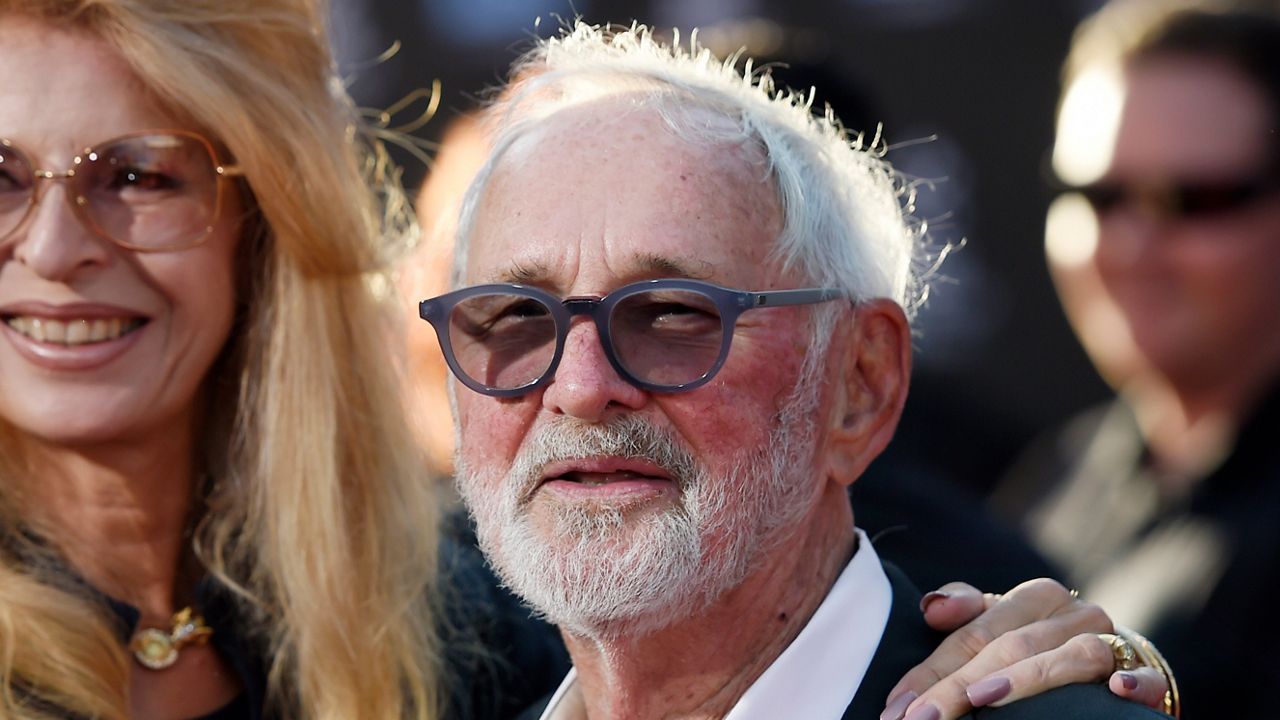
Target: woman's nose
x: 54, y: 241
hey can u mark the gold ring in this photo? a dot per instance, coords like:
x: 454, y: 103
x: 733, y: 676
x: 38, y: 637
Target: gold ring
x: 1131, y: 651
x: 1122, y: 653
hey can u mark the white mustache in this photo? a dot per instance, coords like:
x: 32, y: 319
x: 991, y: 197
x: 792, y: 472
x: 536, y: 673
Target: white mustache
x: 628, y: 436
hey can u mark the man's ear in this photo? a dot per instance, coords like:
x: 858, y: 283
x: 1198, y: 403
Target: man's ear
x: 874, y: 370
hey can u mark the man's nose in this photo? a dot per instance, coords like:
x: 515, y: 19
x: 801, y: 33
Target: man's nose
x: 586, y: 385
x: 54, y: 242
x: 1127, y: 235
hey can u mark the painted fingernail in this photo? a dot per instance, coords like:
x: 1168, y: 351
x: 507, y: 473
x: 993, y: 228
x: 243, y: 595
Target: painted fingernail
x: 1128, y: 680
x: 931, y: 598
x: 897, y: 707
x: 927, y: 712
x: 985, y: 692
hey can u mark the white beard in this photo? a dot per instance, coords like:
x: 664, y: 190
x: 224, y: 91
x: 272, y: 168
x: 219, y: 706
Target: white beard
x: 602, y: 571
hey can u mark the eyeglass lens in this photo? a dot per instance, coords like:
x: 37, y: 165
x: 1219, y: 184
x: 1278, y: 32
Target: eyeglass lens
x: 149, y: 191
x: 664, y: 337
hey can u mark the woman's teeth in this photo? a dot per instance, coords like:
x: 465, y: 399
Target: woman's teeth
x: 73, y: 332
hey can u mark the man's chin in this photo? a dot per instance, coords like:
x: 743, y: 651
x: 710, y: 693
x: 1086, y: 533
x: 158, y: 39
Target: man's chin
x: 599, y: 571
x: 617, y: 519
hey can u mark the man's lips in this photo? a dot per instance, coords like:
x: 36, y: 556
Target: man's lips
x: 607, y: 479
x: 599, y: 471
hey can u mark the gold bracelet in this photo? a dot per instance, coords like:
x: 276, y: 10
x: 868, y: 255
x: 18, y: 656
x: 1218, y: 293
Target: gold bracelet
x: 1137, y: 651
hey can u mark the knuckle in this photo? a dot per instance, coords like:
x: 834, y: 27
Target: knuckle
x: 949, y: 697
x: 1015, y: 645
x: 921, y: 677
x: 1041, y: 673
x: 974, y: 638
x: 1093, y: 651
x: 1094, y: 617
x: 1046, y: 590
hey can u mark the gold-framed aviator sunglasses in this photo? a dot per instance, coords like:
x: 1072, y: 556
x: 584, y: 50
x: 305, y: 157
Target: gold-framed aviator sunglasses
x: 148, y: 191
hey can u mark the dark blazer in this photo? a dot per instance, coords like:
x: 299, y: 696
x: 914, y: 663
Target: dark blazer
x: 1087, y: 494
x: 907, y: 641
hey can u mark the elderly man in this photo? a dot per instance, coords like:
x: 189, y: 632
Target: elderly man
x: 665, y: 479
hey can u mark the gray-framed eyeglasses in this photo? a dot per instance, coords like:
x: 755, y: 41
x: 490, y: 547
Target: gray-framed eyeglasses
x: 150, y: 191
x: 663, y: 336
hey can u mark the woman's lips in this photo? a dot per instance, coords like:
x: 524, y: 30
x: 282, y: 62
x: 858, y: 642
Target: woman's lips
x: 69, y: 341
x: 76, y: 331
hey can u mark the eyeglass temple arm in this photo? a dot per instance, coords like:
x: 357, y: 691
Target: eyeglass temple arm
x: 230, y: 170
x: 807, y: 296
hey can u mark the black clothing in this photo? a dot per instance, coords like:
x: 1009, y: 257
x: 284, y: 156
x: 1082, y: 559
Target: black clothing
x: 1199, y: 571
x: 907, y: 641
x: 498, y: 659
x: 939, y: 532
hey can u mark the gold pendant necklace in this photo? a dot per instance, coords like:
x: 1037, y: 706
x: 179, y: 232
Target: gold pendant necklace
x: 156, y: 649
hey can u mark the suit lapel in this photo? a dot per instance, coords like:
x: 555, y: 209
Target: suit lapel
x: 906, y: 641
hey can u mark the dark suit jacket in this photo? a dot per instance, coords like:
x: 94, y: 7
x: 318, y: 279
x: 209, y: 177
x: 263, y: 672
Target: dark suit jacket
x: 907, y: 641
x: 1088, y: 495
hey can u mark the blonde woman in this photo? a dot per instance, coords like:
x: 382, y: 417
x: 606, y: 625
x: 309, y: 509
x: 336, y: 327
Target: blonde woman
x: 209, y: 506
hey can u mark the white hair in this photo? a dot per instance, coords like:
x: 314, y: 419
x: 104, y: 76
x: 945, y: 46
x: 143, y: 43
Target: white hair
x: 846, y: 212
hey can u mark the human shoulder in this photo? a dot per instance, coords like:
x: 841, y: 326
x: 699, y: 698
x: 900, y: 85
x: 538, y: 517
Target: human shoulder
x: 1072, y: 702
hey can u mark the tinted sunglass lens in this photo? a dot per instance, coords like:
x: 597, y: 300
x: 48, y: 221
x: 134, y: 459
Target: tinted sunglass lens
x: 1207, y: 200
x: 153, y: 192
x: 667, y: 337
x: 1176, y: 200
x: 502, y: 341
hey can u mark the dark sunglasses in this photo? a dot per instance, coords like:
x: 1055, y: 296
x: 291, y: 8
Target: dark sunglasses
x: 660, y: 335
x: 1178, y: 200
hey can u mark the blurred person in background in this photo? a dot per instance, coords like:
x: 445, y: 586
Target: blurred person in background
x: 1162, y: 505
x: 209, y: 504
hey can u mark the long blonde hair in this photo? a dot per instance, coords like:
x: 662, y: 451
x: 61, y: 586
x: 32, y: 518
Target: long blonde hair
x: 318, y: 517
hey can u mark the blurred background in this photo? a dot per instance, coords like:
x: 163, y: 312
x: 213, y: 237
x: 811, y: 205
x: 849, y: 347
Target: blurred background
x: 966, y: 93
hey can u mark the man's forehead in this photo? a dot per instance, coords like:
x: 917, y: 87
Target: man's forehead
x: 634, y: 130
x: 640, y: 266
x: 609, y: 185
